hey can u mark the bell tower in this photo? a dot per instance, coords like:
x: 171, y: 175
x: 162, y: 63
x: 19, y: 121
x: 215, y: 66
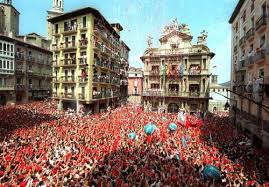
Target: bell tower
x: 57, y: 10
x: 58, y: 6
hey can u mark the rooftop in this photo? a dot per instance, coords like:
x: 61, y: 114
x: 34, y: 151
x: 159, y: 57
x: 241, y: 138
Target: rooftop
x: 83, y: 11
x: 6, y: 38
x: 236, y: 10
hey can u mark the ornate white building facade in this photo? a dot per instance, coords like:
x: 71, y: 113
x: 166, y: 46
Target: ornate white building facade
x: 177, y: 74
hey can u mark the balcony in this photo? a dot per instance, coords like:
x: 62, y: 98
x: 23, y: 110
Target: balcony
x: 83, y: 27
x: 30, y: 72
x: 154, y: 73
x: 55, y: 47
x: 115, y: 81
x: 195, y: 70
x: 242, y: 41
x: 72, y: 29
x: 81, y: 96
x: 71, y: 45
x: 19, y: 70
x: 68, y: 79
x: 55, y: 63
x: 83, y: 42
x: 69, y: 62
x: 124, y: 82
x: 260, y: 56
x: 97, y: 46
x: 55, y: 79
x: 154, y: 93
x: 30, y: 59
x: 7, y: 87
x: 54, y: 94
x: 242, y: 64
x: 83, y: 61
x: 235, y: 49
x: 250, y: 60
x: 20, y: 87
x: 19, y: 57
x: 102, y: 79
x: 67, y: 95
x: 261, y: 23
x: 250, y: 34
x: 83, y: 79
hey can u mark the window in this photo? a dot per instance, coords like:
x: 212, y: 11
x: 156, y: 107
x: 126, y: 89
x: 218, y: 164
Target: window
x: 4, y: 64
x: 251, y: 48
x: 252, y: 22
x: 84, y: 22
x: 252, y: 5
x: 1, y: 49
x: 5, y: 48
x: 30, y: 81
x: 7, y: 64
x: 262, y: 41
x: 264, y: 10
x: 236, y: 27
x: 261, y: 73
x: 244, y: 16
x: 155, y: 86
x: 18, y: 80
x: 11, y: 66
x: 204, y: 63
x: 8, y: 49
x: 11, y: 50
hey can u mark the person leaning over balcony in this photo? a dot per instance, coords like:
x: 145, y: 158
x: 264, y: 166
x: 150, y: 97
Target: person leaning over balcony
x: 83, y: 75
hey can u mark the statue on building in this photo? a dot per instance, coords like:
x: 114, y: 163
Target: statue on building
x: 184, y: 28
x: 150, y: 39
x: 202, y: 38
x: 171, y: 27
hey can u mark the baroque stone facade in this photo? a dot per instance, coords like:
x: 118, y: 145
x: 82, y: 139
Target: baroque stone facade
x: 177, y: 74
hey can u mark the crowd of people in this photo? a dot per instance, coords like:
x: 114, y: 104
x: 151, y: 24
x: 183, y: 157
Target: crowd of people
x: 40, y: 146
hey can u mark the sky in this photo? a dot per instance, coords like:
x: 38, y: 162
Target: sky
x: 141, y: 18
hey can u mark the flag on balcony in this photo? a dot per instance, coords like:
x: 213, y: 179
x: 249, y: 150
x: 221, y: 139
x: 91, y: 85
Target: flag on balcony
x: 181, y: 70
x: 175, y: 71
x: 163, y: 70
x: 168, y: 71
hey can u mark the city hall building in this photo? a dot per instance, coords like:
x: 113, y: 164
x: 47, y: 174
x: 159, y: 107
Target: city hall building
x: 177, y: 74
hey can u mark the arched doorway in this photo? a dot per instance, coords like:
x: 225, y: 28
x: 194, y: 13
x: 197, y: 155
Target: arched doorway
x: 214, y: 109
x: 172, y: 108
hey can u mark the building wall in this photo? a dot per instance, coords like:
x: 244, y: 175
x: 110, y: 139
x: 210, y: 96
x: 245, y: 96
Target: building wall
x: 245, y: 65
x: 218, y: 100
x: 33, y: 73
x: 135, y: 86
x: 7, y: 72
x: 250, y: 58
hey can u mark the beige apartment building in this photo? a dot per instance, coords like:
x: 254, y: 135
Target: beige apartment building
x: 88, y: 57
x: 250, y: 68
x: 177, y: 74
